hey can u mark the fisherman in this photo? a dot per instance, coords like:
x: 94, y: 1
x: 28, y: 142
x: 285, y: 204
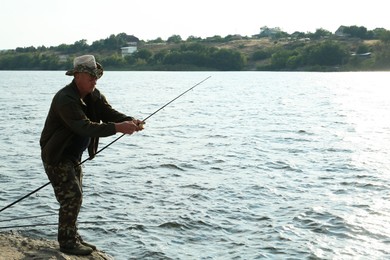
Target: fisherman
x: 79, y: 114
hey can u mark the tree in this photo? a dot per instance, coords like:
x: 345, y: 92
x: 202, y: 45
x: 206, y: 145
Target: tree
x: 279, y: 58
x: 215, y: 38
x: 355, y: 31
x: 159, y: 57
x: 226, y: 59
x: 274, y: 33
x: 261, y: 55
x: 362, y: 48
x: 115, y: 42
x: 26, y: 49
x: 63, y: 48
x: 207, y: 57
x: 384, y: 36
x: 320, y: 33
x: 193, y: 39
x: 97, y: 45
x: 80, y: 46
x: 174, y: 39
x: 113, y: 61
x: 298, y: 35
x: 328, y: 53
x: 294, y: 62
x: 143, y: 54
x: 157, y: 40
x: 197, y: 47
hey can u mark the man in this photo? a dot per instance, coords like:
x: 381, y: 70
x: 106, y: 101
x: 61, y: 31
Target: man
x: 79, y: 114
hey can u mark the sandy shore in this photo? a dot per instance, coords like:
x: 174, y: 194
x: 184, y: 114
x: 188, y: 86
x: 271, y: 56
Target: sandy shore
x: 14, y: 246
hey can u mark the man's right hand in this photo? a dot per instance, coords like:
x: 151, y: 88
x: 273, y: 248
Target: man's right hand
x: 128, y: 127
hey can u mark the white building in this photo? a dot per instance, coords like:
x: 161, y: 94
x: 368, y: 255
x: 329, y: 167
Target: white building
x: 129, y: 49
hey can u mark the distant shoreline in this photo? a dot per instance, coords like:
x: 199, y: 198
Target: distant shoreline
x: 348, y: 49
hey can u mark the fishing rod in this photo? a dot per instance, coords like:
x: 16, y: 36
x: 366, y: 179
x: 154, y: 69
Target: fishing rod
x: 102, y: 149
x: 149, y: 116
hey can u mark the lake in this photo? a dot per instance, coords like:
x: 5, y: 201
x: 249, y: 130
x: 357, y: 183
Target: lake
x: 247, y: 165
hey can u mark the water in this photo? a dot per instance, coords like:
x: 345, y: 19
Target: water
x: 248, y: 165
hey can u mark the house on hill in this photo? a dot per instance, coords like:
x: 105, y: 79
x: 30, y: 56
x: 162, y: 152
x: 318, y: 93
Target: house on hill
x: 130, y: 49
x: 340, y: 32
x: 131, y: 46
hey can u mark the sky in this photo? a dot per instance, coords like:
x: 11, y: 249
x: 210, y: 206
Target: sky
x: 25, y: 23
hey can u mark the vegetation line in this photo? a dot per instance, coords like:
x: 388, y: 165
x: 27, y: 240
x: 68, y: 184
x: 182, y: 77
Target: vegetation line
x: 350, y: 48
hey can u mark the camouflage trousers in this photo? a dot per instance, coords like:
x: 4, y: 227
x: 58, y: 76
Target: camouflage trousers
x: 66, y: 179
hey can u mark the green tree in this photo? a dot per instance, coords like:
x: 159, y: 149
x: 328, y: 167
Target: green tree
x: 260, y: 55
x: 48, y: 62
x: 298, y: 35
x: 193, y: 39
x: 384, y: 36
x: 294, y: 62
x: 215, y: 38
x: 144, y: 54
x: 362, y: 48
x: 63, y: 48
x: 159, y: 57
x: 115, y: 42
x: 328, y: 53
x: 80, y: 46
x: 26, y: 49
x: 320, y: 33
x: 97, y: 46
x: 355, y: 31
x: 208, y: 57
x: 279, y: 59
x: 157, y: 40
x: 113, y: 61
x: 226, y: 59
x: 174, y: 39
x: 382, y: 56
x: 130, y: 59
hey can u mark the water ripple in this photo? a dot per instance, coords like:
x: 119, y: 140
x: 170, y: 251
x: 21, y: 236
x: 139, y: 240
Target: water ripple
x: 257, y: 165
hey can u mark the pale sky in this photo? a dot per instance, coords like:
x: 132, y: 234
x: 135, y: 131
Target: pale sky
x: 25, y: 23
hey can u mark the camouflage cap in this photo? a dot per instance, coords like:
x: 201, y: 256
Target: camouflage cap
x: 86, y: 63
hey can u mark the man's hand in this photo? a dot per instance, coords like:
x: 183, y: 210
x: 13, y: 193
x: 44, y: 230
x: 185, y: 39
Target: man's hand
x: 139, y: 123
x: 129, y: 127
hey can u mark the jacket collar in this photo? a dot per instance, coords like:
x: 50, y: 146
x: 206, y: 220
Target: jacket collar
x: 75, y: 93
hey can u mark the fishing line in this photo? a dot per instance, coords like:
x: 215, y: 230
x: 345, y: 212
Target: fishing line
x: 37, y: 216
x: 102, y: 149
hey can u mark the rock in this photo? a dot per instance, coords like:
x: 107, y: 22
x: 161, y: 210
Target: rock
x: 15, y: 246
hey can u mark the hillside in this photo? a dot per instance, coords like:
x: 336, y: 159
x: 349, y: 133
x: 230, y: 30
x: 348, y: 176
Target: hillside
x: 258, y: 52
x: 247, y: 47
x: 320, y: 51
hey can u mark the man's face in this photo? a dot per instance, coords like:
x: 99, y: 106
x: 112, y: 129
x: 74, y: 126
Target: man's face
x: 85, y: 83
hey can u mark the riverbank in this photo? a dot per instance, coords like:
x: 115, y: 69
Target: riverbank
x: 321, y: 51
x: 15, y: 246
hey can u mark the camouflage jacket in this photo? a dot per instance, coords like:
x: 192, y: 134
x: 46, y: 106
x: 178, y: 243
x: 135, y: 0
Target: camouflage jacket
x: 69, y: 115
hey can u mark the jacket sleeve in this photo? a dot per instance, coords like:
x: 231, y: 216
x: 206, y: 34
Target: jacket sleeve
x: 73, y: 115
